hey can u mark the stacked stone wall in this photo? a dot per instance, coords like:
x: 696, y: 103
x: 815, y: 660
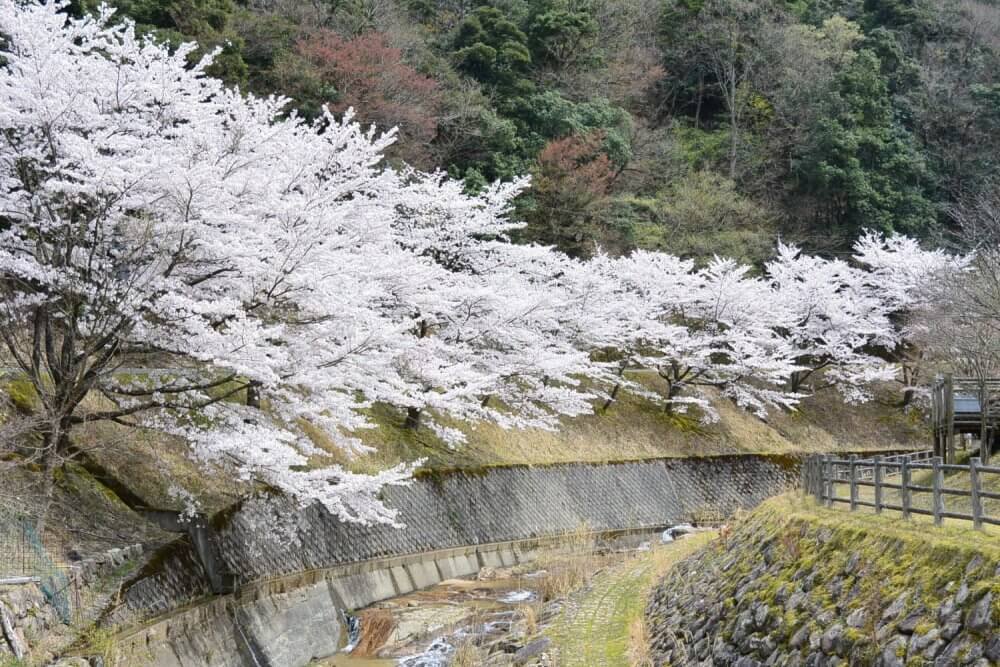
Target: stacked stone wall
x: 793, y: 592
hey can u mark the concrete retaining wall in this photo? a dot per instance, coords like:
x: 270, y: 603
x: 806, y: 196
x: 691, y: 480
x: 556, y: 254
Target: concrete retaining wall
x: 294, y: 619
x: 478, y: 518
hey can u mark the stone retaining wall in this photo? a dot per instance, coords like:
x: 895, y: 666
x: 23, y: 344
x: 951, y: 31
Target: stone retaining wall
x: 294, y: 619
x: 269, y: 538
x: 794, y: 593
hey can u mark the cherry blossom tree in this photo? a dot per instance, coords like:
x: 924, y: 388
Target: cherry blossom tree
x: 494, y: 338
x: 151, y: 217
x: 712, y: 327
x: 838, y: 319
x: 283, y: 279
x: 909, y: 280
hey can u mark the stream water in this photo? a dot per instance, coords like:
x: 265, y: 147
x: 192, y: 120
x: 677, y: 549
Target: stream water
x: 427, y: 628
x: 500, y: 615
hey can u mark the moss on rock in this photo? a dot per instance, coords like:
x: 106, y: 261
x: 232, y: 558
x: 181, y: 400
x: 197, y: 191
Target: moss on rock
x: 869, y: 590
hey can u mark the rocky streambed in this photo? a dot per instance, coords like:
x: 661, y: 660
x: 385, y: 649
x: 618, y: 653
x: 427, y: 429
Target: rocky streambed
x: 549, y: 612
x: 498, y: 618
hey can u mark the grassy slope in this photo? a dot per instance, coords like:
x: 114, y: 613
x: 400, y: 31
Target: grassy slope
x: 85, y: 516
x: 637, y: 428
x: 632, y: 428
x: 594, y: 628
x: 952, y: 503
x: 916, y: 538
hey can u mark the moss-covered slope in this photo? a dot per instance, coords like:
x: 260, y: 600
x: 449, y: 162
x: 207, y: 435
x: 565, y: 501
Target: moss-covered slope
x: 632, y: 428
x: 795, y: 584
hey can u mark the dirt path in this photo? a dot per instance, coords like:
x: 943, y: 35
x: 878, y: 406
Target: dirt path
x: 593, y: 630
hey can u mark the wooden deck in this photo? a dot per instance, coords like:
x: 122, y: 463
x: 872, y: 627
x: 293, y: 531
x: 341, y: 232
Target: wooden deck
x: 963, y: 405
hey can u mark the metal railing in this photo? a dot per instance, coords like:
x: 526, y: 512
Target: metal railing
x: 867, y: 486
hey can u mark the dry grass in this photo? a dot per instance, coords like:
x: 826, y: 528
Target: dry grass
x: 575, y: 574
x: 571, y: 567
x: 632, y: 428
x: 376, y: 629
x: 529, y: 613
x: 639, y: 651
x: 466, y: 655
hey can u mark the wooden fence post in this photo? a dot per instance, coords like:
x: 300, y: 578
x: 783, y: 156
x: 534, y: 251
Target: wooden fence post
x: 853, y: 467
x: 977, y: 503
x: 877, y: 480
x: 937, y: 481
x: 904, y: 483
x: 828, y: 481
x: 949, y: 405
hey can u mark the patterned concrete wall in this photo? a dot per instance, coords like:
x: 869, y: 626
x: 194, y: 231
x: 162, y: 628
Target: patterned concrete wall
x: 268, y: 539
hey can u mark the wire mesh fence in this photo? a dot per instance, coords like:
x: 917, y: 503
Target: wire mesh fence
x: 23, y: 555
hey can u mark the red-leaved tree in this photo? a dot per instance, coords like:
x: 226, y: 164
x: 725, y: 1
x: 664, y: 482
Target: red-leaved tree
x: 571, y: 184
x: 370, y: 75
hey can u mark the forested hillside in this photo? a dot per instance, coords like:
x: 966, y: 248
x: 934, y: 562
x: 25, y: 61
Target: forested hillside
x: 692, y: 126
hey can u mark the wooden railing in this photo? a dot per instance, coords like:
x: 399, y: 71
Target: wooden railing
x: 865, y: 468
x: 824, y: 477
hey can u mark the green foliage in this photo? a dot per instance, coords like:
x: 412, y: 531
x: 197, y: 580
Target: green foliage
x: 700, y: 149
x: 824, y: 116
x: 550, y: 115
x: 491, y: 48
x: 561, y: 35
x: 21, y: 393
x: 176, y: 21
x: 699, y: 216
x: 861, y: 163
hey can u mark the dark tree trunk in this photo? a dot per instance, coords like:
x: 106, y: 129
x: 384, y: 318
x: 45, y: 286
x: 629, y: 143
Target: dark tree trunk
x: 52, y: 438
x: 412, y: 419
x: 611, y: 397
x: 253, y: 395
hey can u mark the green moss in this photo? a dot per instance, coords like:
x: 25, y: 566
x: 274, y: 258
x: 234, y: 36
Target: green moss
x: 892, y: 557
x: 22, y: 394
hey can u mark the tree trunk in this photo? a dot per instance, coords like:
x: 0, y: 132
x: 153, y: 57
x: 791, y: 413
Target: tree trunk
x: 617, y: 387
x: 734, y: 129
x: 50, y: 461
x: 253, y: 395
x: 611, y: 397
x: 908, y: 395
x: 984, y: 421
x: 697, y: 108
x: 412, y: 422
x: 673, y: 391
x: 733, y: 144
x: 795, y: 381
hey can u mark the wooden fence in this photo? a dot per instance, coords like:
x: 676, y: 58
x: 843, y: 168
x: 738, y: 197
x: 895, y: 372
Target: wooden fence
x: 868, y: 484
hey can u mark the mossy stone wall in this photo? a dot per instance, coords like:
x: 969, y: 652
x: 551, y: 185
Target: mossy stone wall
x: 786, y: 590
